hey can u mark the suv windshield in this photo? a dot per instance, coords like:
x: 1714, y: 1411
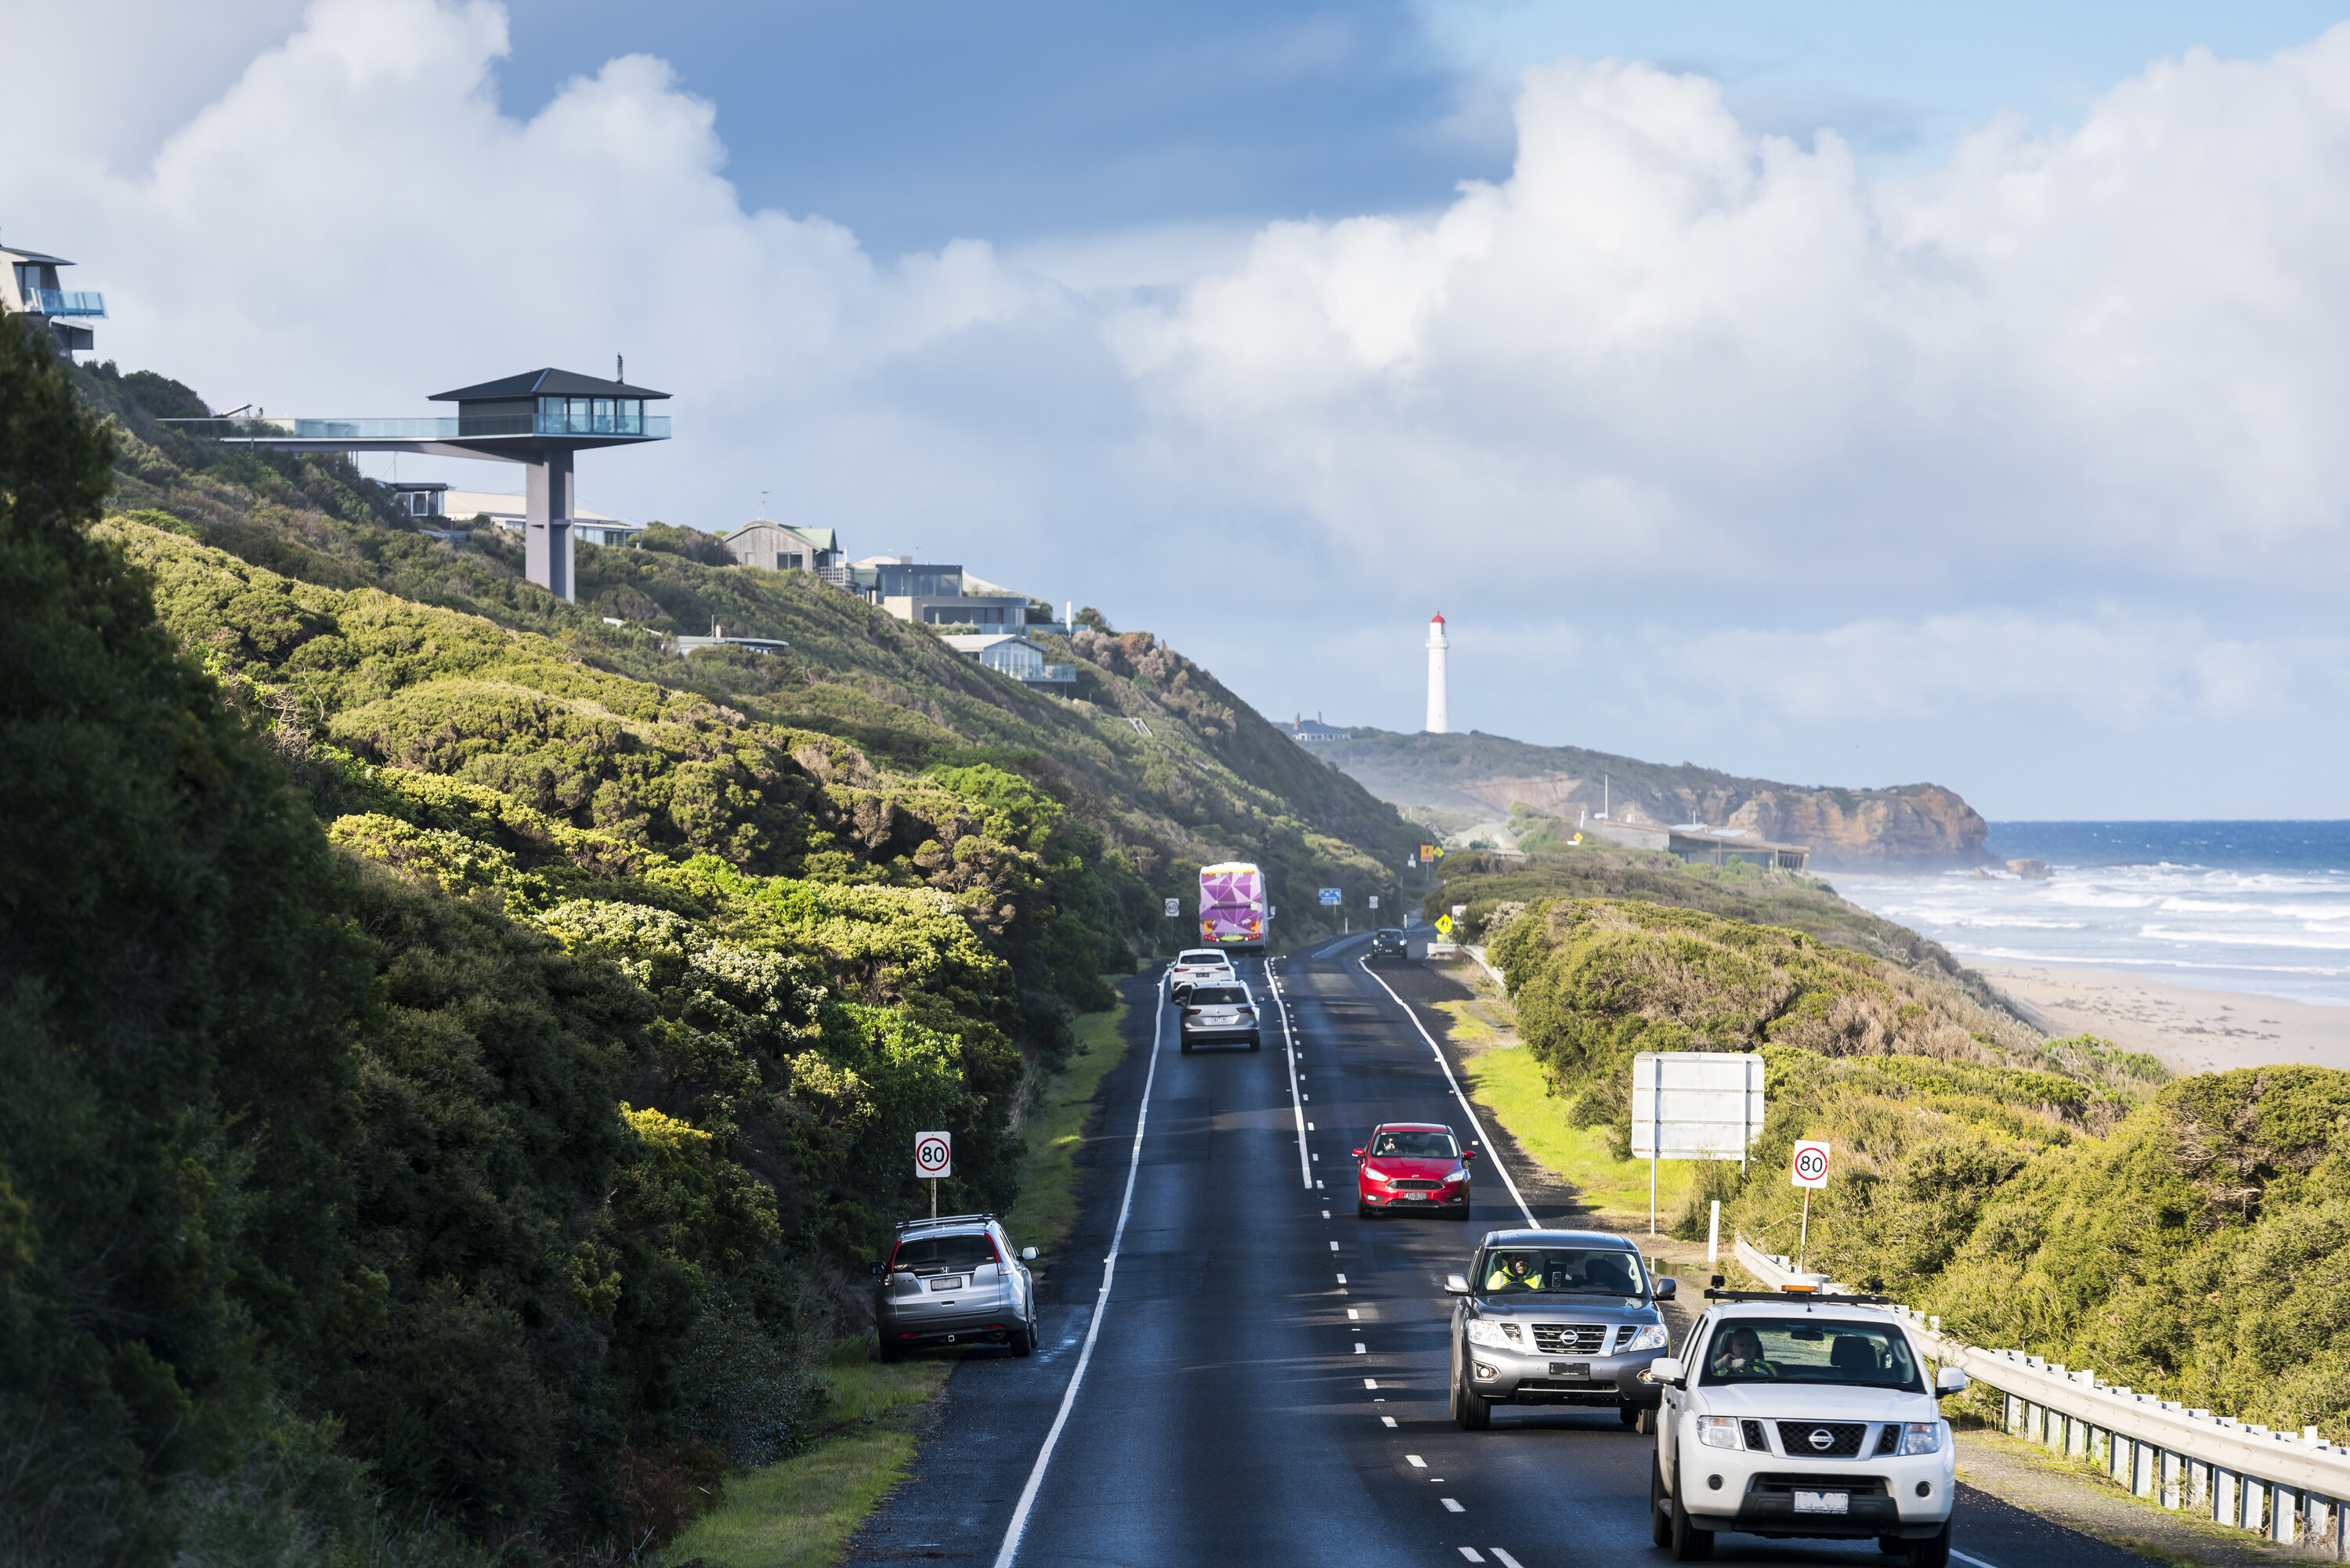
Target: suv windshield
x: 1388, y: 935
x: 1805, y: 1350
x: 1217, y: 995
x: 944, y: 1254
x: 1561, y: 1271
x: 1414, y: 1145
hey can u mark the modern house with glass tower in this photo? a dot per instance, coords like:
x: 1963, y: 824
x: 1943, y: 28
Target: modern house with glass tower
x: 29, y: 286
x: 540, y: 418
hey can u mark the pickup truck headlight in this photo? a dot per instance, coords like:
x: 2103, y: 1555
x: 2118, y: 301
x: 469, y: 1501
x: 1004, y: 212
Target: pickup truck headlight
x: 1922, y: 1437
x: 1456, y: 1176
x: 1649, y: 1337
x: 1719, y: 1432
x: 1504, y: 1335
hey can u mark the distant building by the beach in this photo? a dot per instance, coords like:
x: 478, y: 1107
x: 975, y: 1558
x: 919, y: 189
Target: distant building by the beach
x: 1306, y: 730
x: 1702, y: 845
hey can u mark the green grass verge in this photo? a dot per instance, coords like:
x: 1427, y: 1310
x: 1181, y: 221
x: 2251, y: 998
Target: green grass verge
x: 800, y: 1513
x: 1510, y: 1083
x: 1047, y: 1207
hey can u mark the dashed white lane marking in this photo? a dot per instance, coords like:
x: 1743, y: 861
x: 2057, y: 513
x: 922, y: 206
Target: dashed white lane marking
x: 1318, y: 1159
x: 1416, y: 1462
x: 1352, y: 1313
x: 1334, y: 1246
x: 1504, y: 1558
x: 1012, y: 1532
x: 1388, y: 1419
x: 1342, y: 1279
x: 1296, y: 1100
x: 1325, y: 1214
x: 1471, y: 1553
x: 1309, y: 1127
x: 1466, y: 1109
x: 1370, y: 1382
x: 1451, y: 1506
x: 1359, y: 1348
x: 1317, y: 1186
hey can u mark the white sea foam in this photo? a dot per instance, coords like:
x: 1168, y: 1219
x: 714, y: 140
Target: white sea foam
x: 2268, y: 929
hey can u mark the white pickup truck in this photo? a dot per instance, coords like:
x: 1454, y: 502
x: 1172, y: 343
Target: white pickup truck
x: 1792, y: 1416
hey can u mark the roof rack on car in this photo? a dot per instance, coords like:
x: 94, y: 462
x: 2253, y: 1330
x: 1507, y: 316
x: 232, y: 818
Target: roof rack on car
x: 943, y: 1220
x: 1714, y: 1292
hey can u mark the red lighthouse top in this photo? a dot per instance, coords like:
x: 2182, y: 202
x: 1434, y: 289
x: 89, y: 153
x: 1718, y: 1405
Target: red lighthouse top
x: 1438, y: 619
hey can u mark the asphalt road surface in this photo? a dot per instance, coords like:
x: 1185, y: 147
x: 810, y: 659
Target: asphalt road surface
x: 1264, y: 1381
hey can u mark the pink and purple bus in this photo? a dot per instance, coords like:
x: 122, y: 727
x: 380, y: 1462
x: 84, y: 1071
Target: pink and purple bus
x: 1232, y: 913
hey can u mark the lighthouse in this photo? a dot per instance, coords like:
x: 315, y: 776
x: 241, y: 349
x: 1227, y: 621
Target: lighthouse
x: 1440, y: 717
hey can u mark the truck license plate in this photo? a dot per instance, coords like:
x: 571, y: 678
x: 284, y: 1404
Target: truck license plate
x: 1570, y: 1369
x: 946, y: 1284
x: 1824, y: 1502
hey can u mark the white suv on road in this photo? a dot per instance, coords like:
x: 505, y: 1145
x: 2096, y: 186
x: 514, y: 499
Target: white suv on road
x: 1795, y: 1416
x: 1199, y: 966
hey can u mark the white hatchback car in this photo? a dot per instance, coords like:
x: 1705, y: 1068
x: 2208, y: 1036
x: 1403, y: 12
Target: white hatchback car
x: 1789, y: 1416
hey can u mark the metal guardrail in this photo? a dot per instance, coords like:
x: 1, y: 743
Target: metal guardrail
x: 2288, y: 1488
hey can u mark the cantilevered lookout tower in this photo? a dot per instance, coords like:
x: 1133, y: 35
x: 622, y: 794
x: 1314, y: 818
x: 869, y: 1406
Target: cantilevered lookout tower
x: 538, y: 419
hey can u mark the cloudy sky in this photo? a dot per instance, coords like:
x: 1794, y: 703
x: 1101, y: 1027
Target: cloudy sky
x: 1781, y: 386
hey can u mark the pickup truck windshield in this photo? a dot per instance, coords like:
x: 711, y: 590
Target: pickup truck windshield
x: 1560, y: 1270
x: 1807, y: 1350
x: 943, y: 1254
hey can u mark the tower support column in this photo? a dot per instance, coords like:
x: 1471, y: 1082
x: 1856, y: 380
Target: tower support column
x: 1440, y: 710
x: 546, y: 524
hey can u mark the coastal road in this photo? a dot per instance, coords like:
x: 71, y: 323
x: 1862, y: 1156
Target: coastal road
x: 1267, y: 1379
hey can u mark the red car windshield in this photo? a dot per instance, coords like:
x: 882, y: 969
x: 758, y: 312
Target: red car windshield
x: 1413, y: 1145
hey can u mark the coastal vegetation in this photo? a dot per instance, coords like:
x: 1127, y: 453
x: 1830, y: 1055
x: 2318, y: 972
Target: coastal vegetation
x: 2190, y: 1236
x: 461, y: 1053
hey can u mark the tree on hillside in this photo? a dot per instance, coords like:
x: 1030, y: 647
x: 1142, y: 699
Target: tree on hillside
x: 176, y: 998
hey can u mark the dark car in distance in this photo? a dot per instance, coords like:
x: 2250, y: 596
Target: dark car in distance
x: 1388, y: 943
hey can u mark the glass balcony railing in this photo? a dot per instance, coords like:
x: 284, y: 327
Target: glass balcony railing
x: 643, y: 427
x: 65, y: 302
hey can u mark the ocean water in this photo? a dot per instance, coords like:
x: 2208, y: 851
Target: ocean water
x: 2258, y: 907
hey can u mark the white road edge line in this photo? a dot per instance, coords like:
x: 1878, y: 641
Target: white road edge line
x: 1471, y: 1553
x: 1101, y: 1305
x: 1504, y: 1558
x: 1978, y: 1562
x: 1466, y: 1109
x: 1297, y: 1099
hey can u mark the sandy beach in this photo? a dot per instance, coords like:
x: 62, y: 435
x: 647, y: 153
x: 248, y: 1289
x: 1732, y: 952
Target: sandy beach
x: 2188, y: 1030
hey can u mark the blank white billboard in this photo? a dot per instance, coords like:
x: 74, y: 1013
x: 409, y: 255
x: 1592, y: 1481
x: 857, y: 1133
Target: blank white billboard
x: 1696, y: 1104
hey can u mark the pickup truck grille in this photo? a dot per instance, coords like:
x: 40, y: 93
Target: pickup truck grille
x: 1843, y: 1439
x: 1859, y: 1486
x: 1570, y: 1338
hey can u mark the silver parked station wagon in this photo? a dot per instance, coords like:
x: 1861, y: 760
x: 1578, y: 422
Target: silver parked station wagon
x: 954, y: 1281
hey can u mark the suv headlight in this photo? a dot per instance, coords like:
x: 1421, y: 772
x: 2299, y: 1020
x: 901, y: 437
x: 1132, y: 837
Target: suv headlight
x: 1922, y: 1437
x: 1719, y: 1432
x: 1504, y: 1335
x: 1650, y: 1337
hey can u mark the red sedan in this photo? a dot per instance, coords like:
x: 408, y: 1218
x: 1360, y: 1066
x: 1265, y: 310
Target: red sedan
x: 1412, y: 1166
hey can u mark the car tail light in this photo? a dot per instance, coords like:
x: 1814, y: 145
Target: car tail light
x: 1193, y: 1012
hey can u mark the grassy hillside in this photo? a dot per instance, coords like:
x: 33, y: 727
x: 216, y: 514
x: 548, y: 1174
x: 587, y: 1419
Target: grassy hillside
x: 1172, y: 769
x: 460, y: 1053
x: 1488, y: 777
x: 2189, y: 1236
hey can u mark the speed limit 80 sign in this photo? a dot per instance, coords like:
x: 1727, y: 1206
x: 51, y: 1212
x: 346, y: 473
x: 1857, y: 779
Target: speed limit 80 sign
x: 1811, y: 1166
x: 934, y: 1154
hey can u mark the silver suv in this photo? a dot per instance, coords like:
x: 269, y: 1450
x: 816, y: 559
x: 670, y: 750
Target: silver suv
x: 1556, y: 1317
x: 1219, y: 1010
x: 954, y: 1281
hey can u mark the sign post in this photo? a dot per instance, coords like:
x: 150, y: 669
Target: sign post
x: 1694, y: 1104
x: 1810, y: 1173
x: 934, y: 1160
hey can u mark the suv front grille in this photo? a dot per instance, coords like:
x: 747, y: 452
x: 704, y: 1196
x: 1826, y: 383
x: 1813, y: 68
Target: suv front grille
x: 1570, y: 1338
x: 1753, y: 1432
x: 1843, y: 1439
x: 1889, y: 1438
x: 1859, y: 1486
